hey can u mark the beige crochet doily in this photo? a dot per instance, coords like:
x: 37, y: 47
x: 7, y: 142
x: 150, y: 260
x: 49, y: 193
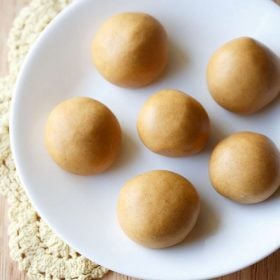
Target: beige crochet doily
x: 33, y: 245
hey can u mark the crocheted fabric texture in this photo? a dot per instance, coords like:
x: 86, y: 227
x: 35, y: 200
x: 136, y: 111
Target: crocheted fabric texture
x: 33, y: 245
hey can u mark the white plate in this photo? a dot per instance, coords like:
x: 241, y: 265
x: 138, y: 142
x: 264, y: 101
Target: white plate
x: 81, y: 210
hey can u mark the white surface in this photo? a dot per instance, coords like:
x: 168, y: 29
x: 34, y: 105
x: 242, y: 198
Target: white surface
x: 81, y: 210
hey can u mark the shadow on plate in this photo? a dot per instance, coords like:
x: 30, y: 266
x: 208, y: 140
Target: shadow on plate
x: 273, y: 105
x: 128, y: 153
x: 207, y: 224
x: 217, y: 134
x: 275, y: 196
x: 177, y: 61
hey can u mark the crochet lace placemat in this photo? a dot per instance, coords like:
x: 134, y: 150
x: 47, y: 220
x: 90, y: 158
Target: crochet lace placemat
x: 33, y: 245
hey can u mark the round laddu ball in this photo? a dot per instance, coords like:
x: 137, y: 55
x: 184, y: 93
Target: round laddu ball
x: 83, y: 136
x: 158, y: 209
x: 130, y: 49
x: 245, y: 167
x: 243, y: 75
x: 172, y: 123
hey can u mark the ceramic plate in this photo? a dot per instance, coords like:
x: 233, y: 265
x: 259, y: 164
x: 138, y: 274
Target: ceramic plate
x: 81, y: 210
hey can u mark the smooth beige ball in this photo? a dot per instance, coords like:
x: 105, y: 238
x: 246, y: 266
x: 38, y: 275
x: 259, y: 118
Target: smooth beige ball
x: 245, y: 167
x: 83, y: 136
x: 174, y: 124
x: 130, y: 49
x: 158, y: 209
x: 243, y: 75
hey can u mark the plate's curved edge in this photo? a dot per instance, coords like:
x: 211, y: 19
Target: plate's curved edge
x: 12, y: 125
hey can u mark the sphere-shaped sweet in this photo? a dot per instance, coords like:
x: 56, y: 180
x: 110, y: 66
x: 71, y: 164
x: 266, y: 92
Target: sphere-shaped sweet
x: 130, y: 49
x: 174, y: 124
x: 243, y: 75
x: 83, y: 136
x: 245, y: 167
x: 158, y: 209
